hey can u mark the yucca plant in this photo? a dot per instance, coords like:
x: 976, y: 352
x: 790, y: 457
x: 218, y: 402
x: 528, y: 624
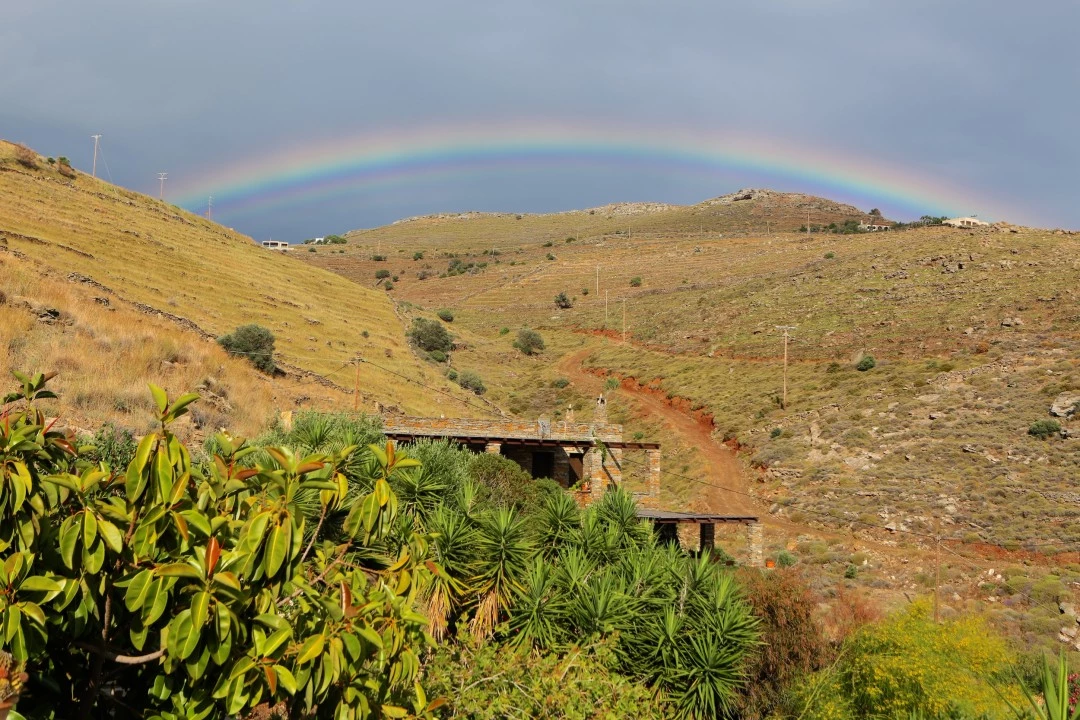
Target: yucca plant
x: 503, y: 552
x: 1055, y: 690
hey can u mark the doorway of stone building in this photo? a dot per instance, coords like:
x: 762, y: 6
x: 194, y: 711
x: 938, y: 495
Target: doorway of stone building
x: 577, y: 469
x: 543, y: 464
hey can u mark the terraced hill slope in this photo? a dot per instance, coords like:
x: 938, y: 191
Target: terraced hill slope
x: 974, y: 333
x: 149, y: 258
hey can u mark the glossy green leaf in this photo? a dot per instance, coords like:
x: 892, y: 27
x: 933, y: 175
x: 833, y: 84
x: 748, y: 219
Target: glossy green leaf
x: 277, y: 547
x: 160, y: 398
x: 111, y: 535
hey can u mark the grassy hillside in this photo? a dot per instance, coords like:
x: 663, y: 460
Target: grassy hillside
x: 974, y: 334
x: 153, y: 255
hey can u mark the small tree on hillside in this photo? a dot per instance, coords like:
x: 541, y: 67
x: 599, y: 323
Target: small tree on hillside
x: 529, y: 341
x: 430, y: 335
x: 562, y: 301
x: 253, y: 342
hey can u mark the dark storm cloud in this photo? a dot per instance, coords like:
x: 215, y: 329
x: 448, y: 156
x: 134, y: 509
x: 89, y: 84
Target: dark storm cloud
x: 979, y: 94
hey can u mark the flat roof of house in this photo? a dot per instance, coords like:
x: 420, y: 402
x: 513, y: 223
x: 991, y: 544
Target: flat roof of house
x: 469, y: 439
x: 670, y: 516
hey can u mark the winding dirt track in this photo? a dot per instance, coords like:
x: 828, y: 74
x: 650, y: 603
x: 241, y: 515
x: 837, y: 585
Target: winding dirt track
x: 724, y: 469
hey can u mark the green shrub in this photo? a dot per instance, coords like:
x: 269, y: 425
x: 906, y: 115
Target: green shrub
x: 830, y: 255
x: 437, y: 356
x: 793, y: 642
x: 866, y: 363
x: 253, y: 342
x: 562, y: 301
x: 909, y: 664
x: 378, y: 258
x: 584, y: 291
x: 446, y: 315
x: 550, y: 256
x: 388, y: 285
x: 776, y: 432
x: 833, y: 367
x: 147, y: 592
x: 430, y: 335
x: 611, y: 383
x: 635, y: 281
x: 381, y: 274
x: 451, y: 375
x: 492, y: 681
x: 549, y: 243
x: 851, y: 572
x: 113, y: 445
x: 418, y: 255
x: 529, y: 341
x: 311, y: 249
x: 504, y: 330
x: 1043, y: 429
x: 560, y: 382
x: 785, y: 559
x: 471, y: 381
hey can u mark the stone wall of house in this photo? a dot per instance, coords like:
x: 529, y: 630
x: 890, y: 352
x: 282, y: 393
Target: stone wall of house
x: 517, y: 429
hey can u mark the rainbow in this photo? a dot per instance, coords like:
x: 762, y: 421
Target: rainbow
x: 374, y: 162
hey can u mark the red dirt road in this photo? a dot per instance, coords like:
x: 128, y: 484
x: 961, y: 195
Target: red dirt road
x: 724, y: 469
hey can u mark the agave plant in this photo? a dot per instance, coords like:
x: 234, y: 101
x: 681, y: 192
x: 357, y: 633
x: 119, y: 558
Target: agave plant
x: 1055, y: 687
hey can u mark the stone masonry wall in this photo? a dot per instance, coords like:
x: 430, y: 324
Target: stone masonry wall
x: 503, y: 429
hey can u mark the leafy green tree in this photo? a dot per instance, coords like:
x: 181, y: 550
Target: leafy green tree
x: 253, y: 342
x: 867, y: 362
x: 529, y: 341
x: 562, y: 301
x: 201, y: 592
x: 430, y: 335
x: 470, y: 380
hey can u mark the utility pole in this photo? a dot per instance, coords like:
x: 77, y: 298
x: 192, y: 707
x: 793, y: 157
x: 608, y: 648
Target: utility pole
x: 808, y: 224
x: 624, y: 321
x: 356, y: 388
x: 210, y: 208
x: 93, y: 172
x: 597, y: 279
x: 937, y: 565
x: 785, y: 328
x: 605, y: 308
x: 162, y: 177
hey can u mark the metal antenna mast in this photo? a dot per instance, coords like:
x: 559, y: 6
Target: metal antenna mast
x: 210, y: 208
x: 93, y: 172
x: 162, y: 177
x: 785, y: 328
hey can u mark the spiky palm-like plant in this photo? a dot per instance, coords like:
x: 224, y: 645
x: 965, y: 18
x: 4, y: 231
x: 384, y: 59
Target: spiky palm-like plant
x: 539, y: 615
x: 503, y: 552
x: 1055, y: 687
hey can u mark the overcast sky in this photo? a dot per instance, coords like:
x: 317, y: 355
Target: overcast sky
x: 981, y: 95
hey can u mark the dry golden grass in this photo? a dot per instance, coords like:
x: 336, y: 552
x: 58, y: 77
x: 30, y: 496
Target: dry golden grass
x: 106, y: 355
x: 701, y: 326
x: 150, y: 252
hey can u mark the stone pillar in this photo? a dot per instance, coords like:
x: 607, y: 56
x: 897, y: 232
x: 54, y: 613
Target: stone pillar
x: 652, y: 486
x: 600, y: 414
x: 708, y: 537
x: 755, y: 539
x: 493, y: 448
x: 561, y: 469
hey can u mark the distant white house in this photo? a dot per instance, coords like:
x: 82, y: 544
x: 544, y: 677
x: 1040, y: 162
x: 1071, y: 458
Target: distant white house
x: 275, y: 245
x: 965, y: 222
x: 874, y: 226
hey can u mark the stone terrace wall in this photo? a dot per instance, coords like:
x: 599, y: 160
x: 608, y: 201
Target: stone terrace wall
x: 458, y: 427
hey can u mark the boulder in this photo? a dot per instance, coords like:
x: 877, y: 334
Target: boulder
x: 1065, y: 404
